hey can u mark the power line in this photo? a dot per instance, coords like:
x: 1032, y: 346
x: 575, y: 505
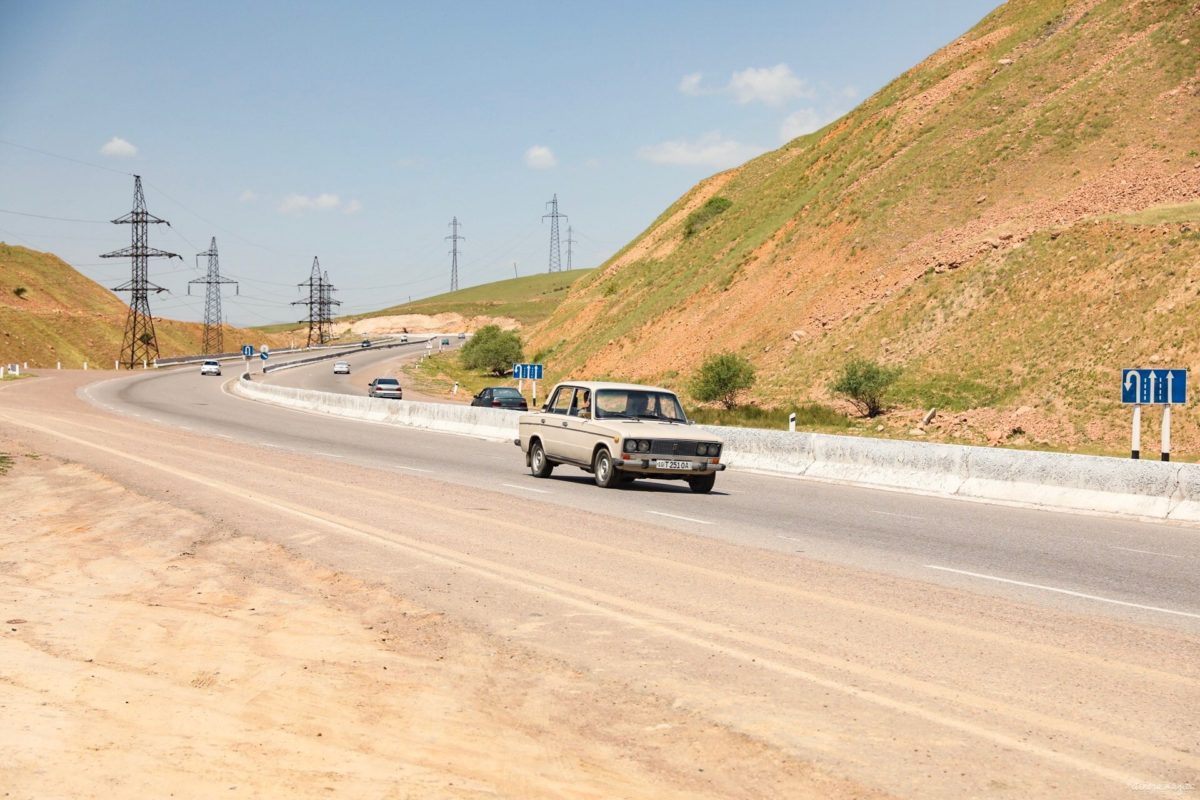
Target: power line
x: 65, y: 158
x: 57, y: 219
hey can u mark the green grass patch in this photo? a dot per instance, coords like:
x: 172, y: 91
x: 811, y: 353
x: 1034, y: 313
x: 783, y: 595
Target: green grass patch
x: 1162, y: 215
x: 698, y: 220
x: 6, y: 463
x: 809, y: 416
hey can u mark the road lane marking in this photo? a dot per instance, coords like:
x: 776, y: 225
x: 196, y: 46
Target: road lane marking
x: 676, y: 516
x: 1147, y: 552
x: 1065, y: 591
x: 412, y: 469
x: 891, y: 514
x: 526, y: 488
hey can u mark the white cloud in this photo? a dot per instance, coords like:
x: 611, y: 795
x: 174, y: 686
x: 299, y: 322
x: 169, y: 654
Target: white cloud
x: 771, y: 85
x: 711, y: 150
x: 798, y: 123
x: 295, y: 203
x: 118, y: 148
x: 690, y: 85
x: 540, y: 157
x: 247, y: 196
x: 353, y: 207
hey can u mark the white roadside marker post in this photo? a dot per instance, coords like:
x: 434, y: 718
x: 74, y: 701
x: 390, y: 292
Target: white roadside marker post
x: 1137, y: 432
x: 1166, y: 433
x: 792, y: 422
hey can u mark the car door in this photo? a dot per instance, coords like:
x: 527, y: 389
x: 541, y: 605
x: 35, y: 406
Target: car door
x: 553, y: 428
x: 484, y: 398
x: 580, y: 431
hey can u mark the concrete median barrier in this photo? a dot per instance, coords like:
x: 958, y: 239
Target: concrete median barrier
x: 1063, y: 481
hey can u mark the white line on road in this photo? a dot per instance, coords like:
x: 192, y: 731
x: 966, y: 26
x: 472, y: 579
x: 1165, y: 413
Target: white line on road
x: 526, y: 488
x: 890, y: 514
x: 1065, y: 591
x: 1147, y: 552
x: 676, y: 516
x: 412, y: 469
x: 329, y: 455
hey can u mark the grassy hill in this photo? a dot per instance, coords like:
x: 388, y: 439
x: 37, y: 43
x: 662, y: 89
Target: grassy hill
x: 1011, y: 222
x: 51, y: 313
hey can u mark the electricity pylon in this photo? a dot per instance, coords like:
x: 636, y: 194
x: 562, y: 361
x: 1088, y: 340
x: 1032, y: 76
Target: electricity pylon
x: 315, y: 332
x: 214, y: 339
x: 454, y: 239
x: 570, y: 241
x: 555, y: 248
x: 139, y: 342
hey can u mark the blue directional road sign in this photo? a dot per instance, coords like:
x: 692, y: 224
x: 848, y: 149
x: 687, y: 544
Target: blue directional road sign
x: 247, y: 350
x: 264, y: 355
x: 1154, y: 386
x: 527, y: 372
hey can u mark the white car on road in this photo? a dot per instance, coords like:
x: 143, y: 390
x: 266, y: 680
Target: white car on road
x: 341, y: 368
x: 210, y: 368
x: 619, y: 432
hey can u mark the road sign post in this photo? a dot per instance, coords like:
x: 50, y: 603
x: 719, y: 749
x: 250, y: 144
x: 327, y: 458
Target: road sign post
x: 1158, y: 387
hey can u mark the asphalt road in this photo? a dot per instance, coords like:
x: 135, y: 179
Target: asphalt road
x: 1059, y: 659
x: 1147, y: 572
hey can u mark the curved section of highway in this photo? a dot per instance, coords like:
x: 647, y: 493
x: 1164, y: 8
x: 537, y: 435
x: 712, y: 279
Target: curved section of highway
x: 1147, y: 572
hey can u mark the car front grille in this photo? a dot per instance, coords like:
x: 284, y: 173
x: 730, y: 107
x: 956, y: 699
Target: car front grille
x: 672, y: 447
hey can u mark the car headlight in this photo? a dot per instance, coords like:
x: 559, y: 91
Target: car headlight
x: 630, y: 445
x: 643, y: 446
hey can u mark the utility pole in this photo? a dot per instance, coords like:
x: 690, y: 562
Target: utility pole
x: 555, y: 249
x: 454, y: 238
x: 570, y: 242
x: 213, y: 335
x: 139, y: 342
x: 314, y: 304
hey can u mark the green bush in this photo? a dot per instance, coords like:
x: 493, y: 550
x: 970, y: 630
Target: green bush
x: 705, y: 214
x: 492, y: 350
x: 722, y: 377
x: 20, y: 291
x: 865, y: 383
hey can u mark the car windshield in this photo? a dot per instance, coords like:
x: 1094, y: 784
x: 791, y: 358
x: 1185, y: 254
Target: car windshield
x: 638, y: 404
x: 506, y: 392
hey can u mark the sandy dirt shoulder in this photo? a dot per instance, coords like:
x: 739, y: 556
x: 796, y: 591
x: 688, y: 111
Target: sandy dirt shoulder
x: 147, y: 653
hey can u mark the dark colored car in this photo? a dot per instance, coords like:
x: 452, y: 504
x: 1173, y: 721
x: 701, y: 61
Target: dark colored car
x: 500, y: 397
x: 385, y: 387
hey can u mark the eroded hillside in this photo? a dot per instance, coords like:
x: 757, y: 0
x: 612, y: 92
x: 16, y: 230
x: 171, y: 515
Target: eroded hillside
x: 973, y: 223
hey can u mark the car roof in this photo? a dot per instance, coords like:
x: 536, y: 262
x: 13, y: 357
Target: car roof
x: 389, y: 380
x: 600, y: 385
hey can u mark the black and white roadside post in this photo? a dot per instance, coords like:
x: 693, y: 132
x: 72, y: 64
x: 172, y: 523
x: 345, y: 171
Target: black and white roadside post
x: 1159, y: 387
x: 792, y: 422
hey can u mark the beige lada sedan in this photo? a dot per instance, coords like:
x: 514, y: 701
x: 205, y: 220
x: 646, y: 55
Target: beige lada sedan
x: 618, y: 432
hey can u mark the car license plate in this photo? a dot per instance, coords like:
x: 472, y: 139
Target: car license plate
x: 673, y: 465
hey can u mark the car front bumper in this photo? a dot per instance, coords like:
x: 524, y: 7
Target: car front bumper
x: 647, y: 466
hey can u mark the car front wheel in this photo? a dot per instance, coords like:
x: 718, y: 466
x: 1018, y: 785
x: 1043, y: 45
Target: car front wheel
x: 539, y: 465
x: 703, y: 484
x: 603, y: 469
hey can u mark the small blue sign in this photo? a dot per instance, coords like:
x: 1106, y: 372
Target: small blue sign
x: 264, y: 355
x: 1154, y: 386
x: 527, y: 372
x: 247, y: 350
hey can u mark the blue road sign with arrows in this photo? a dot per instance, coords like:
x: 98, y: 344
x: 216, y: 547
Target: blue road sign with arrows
x: 1154, y: 386
x: 247, y: 350
x: 527, y: 372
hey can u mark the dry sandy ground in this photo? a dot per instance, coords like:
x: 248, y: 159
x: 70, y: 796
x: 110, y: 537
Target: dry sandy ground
x: 146, y: 653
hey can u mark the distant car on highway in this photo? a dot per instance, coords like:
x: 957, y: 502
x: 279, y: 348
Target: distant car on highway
x: 619, y: 432
x: 366, y: 342
x: 385, y: 387
x: 341, y: 368
x: 404, y: 338
x: 210, y: 368
x: 500, y: 397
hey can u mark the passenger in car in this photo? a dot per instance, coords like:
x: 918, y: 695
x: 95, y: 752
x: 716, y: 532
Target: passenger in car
x: 585, y: 405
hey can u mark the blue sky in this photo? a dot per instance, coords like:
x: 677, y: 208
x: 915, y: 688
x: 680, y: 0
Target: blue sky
x: 354, y: 132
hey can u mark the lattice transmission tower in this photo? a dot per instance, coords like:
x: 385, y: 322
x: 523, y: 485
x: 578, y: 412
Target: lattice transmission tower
x: 316, y: 332
x: 454, y: 240
x: 214, y: 337
x: 139, y: 342
x: 570, y: 241
x: 555, y: 248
